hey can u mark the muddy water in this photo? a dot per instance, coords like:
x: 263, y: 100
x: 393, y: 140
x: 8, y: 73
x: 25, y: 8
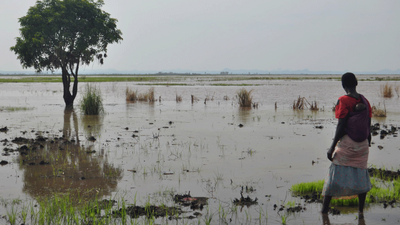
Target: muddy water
x: 211, y: 147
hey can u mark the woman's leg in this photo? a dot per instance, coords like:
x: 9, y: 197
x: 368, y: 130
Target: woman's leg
x: 361, y: 202
x: 325, y: 205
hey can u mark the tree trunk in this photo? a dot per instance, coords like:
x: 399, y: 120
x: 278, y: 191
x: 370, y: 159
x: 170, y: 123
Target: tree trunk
x: 68, y: 97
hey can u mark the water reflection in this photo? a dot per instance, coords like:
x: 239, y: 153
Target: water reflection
x: 139, y: 106
x: 244, y: 114
x: 60, y: 165
x: 92, y: 124
x: 326, y: 221
x: 67, y: 131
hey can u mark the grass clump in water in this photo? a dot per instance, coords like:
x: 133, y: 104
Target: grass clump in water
x: 301, y: 103
x: 147, y: 96
x: 377, y: 111
x: 245, y: 99
x: 130, y: 95
x: 134, y: 96
x: 92, y: 102
x: 386, y: 90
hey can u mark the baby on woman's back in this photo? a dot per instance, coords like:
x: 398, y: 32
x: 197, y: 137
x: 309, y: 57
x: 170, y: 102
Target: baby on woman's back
x: 359, y: 107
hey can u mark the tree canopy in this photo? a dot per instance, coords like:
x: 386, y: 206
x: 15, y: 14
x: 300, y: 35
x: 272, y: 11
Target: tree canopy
x: 63, y: 34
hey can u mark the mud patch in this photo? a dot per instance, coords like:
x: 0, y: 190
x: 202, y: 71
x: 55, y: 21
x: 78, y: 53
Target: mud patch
x: 245, y: 201
x: 149, y: 211
x: 4, y: 129
x: 384, y: 174
x: 195, y: 203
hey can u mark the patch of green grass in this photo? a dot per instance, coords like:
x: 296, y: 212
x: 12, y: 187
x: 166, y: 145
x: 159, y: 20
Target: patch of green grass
x: 308, y: 187
x: 14, y: 109
x: 381, y: 191
x: 92, y: 102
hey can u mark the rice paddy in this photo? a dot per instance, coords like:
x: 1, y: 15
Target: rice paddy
x: 385, y: 190
x: 136, y: 157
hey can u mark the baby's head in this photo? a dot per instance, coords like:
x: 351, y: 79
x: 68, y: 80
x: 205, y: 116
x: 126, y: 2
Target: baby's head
x: 359, y: 107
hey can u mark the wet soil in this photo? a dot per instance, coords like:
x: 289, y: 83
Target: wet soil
x: 195, y: 203
x: 245, y: 201
x: 384, y: 174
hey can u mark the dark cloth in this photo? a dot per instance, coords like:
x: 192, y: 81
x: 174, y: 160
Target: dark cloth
x: 358, y: 127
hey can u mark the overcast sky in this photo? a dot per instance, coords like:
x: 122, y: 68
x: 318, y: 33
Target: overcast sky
x: 332, y: 35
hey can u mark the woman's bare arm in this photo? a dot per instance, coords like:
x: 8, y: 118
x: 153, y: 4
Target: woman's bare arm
x: 340, y: 132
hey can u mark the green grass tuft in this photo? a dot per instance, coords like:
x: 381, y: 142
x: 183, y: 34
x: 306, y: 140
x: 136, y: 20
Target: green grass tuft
x: 92, y: 102
x: 308, y: 187
x: 381, y: 191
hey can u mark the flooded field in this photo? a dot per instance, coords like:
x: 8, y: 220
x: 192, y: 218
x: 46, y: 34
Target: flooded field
x: 210, y: 150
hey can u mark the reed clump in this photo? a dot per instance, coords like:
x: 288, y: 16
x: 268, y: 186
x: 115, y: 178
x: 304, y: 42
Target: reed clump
x: 245, y: 99
x: 130, y: 95
x: 133, y: 96
x: 147, y: 96
x: 92, y: 102
x: 377, y: 111
x: 178, y: 98
x: 302, y: 103
x: 386, y: 90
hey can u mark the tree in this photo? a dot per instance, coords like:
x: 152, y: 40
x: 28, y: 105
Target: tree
x: 63, y: 34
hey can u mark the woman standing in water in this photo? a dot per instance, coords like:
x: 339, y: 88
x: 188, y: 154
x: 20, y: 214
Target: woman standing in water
x: 348, y: 173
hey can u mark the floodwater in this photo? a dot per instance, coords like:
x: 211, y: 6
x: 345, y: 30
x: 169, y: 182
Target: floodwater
x: 210, y: 147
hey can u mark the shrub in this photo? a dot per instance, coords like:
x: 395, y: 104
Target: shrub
x: 92, y: 102
x: 244, y: 98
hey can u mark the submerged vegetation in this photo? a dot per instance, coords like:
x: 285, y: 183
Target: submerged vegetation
x: 378, y: 111
x: 63, y: 209
x: 385, y: 189
x: 302, y: 103
x: 386, y: 90
x: 14, y: 109
x: 153, y: 152
x: 92, y: 102
x: 245, y: 99
x: 133, y: 96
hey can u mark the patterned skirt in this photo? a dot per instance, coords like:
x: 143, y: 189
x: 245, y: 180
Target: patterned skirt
x: 346, y: 181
